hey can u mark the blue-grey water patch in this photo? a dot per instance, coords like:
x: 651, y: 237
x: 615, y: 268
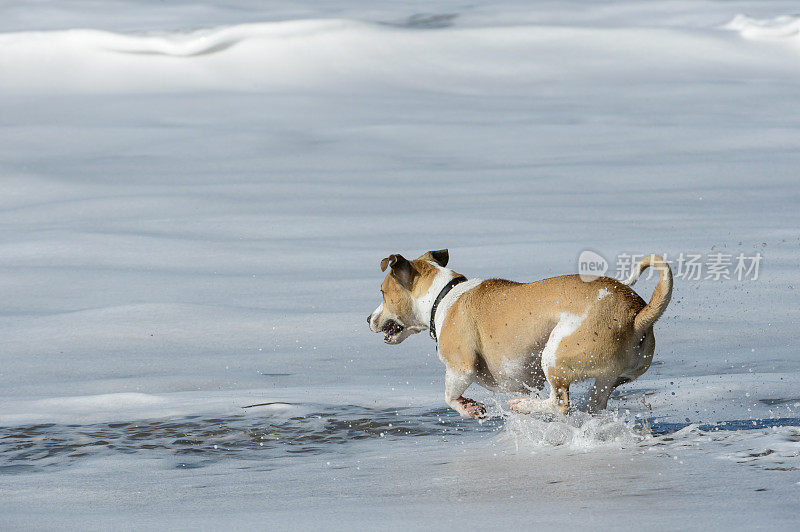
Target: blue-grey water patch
x: 200, y: 440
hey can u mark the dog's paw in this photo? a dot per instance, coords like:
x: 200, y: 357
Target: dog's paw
x: 472, y: 409
x: 527, y: 405
x: 521, y: 405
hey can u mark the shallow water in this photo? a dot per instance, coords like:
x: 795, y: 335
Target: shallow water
x: 199, y: 441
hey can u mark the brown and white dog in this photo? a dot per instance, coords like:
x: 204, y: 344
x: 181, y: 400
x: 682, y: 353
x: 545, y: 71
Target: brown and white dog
x: 512, y: 337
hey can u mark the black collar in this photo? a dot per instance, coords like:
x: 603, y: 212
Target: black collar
x: 446, y: 290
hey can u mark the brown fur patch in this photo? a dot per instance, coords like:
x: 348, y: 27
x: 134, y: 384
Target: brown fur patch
x: 396, y: 298
x: 506, y: 320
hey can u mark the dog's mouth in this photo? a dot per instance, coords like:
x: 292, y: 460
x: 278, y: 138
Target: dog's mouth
x: 392, y: 331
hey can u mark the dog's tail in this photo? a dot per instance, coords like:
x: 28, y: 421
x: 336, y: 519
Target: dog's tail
x: 661, y: 295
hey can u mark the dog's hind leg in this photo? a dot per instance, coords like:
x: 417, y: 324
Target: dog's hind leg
x: 640, y: 360
x: 558, y: 367
x: 559, y: 391
x: 601, y: 391
x: 558, y: 400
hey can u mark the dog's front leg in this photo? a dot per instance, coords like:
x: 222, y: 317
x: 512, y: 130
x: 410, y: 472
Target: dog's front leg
x: 455, y: 384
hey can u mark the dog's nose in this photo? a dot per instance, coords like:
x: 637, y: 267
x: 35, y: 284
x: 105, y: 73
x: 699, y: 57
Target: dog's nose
x: 369, y: 319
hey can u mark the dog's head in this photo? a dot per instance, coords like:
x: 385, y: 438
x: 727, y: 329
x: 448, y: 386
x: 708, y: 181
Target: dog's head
x: 405, y: 289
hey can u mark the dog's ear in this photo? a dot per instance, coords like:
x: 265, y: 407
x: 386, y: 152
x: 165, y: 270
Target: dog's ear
x: 390, y: 260
x: 402, y: 270
x: 440, y: 257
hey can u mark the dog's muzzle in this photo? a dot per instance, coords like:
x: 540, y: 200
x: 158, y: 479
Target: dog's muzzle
x: 391, y: 330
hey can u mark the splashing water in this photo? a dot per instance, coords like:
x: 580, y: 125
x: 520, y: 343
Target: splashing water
x: 578, y: 431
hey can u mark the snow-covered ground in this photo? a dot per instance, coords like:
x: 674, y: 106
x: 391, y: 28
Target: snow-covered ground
x: 195, y: 198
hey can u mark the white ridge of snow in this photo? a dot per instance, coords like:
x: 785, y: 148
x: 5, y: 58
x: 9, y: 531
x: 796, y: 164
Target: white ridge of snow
x: 304, y: 54
x: 777, y: 28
